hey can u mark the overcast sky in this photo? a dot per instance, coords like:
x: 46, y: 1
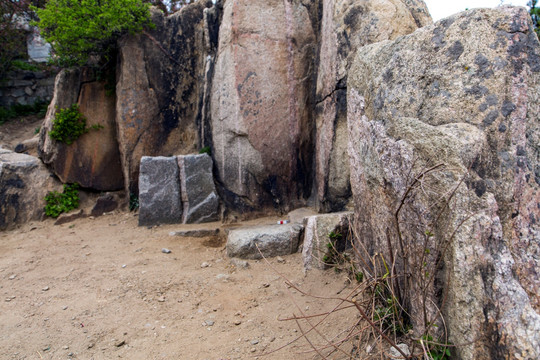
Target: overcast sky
x: 442, y: 8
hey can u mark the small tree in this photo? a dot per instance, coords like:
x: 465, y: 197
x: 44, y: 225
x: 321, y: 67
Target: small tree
x: 78, y: 29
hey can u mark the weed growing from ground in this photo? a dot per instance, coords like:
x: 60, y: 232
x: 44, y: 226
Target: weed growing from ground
x: 58, y: 203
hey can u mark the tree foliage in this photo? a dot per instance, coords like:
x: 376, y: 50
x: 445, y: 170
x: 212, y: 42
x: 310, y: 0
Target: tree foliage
x: 79, y: 29
x: 12, y: 35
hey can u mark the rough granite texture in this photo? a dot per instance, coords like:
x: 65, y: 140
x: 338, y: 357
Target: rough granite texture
x: 159, y: 191
x: 24, y: 183
x: 199, y: 197
x: 93, y: 160
x: 270, y: 240
x: 463, y: 93
x: 346, y: 26
x: 316, y: 236
x: 160, y: 86
x: 261, y: 124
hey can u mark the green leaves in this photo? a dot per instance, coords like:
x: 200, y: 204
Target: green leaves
x: 57, y: 203
x: 69, y: 124
x: 78, y: 29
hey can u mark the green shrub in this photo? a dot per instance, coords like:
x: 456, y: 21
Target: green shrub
x: 78, y: 30
x: 39, y: 108
x: 205, y: 150
x: 57, y: 203
x: 23, y: 65
x: 69, y: 124
x: 6, y: 114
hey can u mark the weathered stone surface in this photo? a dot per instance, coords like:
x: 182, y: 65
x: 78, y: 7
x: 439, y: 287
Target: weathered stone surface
x: 159, y: 191
x: 105, y: 203
x: 69, y: 217
x: 316, y: 236
x: 66, y: 92
x: 271, y: 240
x: 196, y: 233
x: 459, y: 97
x: 24, y: 183
x: 261, y: 128
x: 160, y: 88
x: 345, y: 27
x: 93, y: 160
x: 199, y: 197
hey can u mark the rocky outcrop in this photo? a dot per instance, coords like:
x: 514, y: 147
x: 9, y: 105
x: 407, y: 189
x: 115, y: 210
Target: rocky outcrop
x: 267, y: 240
x: 199, y: 197
x: 443, y: 142
x: 93, y: 160
x: 159, y: 191
x: 160, y: 88
x: 260, y: 104
x: 346, y: 26
x: 24, y: 183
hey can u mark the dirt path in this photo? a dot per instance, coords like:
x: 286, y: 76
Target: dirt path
x: 103, y: 289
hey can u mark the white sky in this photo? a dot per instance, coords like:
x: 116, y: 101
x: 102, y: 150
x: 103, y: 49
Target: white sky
x: 442, y: 8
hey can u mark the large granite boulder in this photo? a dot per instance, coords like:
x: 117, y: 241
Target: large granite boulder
x: 24, y: 183
x: 159, y: 191
x: 443, y: 142
x: 346, y: 26
x: 160, y: 88
x: 260, y: 107
x: 93, y: 160
x: 199, y: 197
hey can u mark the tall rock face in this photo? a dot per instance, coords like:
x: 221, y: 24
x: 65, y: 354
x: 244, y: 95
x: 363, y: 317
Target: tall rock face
x: 161, y: 85
x: 93, y: 160
x: 346, y: 26
x: 260, y: 104
x: 443, y: 143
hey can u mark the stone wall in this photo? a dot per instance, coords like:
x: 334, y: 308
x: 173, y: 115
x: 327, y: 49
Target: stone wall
x: 26, y: 87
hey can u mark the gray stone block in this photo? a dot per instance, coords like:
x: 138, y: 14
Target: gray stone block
x: 199, y: 197
x: 316, y: 236
x: 271, y: 240
x: 159, y: 191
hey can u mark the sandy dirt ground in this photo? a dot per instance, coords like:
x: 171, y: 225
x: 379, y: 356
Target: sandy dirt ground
x: 103, y: 289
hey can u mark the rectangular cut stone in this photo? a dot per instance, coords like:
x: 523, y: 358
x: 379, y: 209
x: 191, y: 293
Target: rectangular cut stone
x: 316, y: 236
x: 199, y: 198
x: 271, y: 240
x: 159, y: 191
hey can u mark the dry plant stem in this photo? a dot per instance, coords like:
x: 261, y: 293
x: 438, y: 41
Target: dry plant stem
x: 288, y: 282
x: 307, y: 339
x: 315, y: 328
x: 315, y: 315
x: 374, y: 326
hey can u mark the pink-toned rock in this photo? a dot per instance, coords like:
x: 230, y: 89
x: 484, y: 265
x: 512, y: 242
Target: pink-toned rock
x: 443, y: 140
x: 346, y: 26
x: 93, y: 160
x: 261, y: 128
